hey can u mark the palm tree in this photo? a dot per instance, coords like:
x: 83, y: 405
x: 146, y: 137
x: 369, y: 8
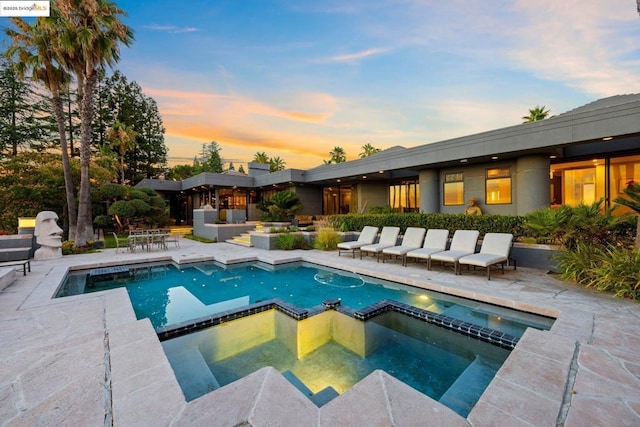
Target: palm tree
x: 122, y: 138
x: 337, y: 155
x: 632, y: 201
x: 91, y: 36
x: 32, y: 45
x: 367, y: 150
x: 276, y: 164
x: 535, y: 114
x: 261, y: 158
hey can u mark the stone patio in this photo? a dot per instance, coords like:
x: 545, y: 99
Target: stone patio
x: 86, y: 360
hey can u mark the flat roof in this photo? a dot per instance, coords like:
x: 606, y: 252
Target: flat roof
x: 616, y: 117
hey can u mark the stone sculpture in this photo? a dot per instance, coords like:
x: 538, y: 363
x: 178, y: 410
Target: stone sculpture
x: 48, y: 236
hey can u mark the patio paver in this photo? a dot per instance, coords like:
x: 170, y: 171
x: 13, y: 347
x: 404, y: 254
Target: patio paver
x: 86, y: 360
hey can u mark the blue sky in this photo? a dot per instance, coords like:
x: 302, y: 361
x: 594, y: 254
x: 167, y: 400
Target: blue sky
x: 294, y: 78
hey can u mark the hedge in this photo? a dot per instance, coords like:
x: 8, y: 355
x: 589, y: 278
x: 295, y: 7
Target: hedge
x: 452, y: 222
x: 625, y: 229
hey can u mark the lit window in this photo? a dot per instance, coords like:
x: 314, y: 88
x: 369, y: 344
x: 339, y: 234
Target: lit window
x: 453, y: 189
x: 404, y: 196
x: 498, y: 184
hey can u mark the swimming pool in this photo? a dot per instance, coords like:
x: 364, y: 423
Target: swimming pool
x: 325, y: 355
x: 324, y: 329
x: 169, y: 295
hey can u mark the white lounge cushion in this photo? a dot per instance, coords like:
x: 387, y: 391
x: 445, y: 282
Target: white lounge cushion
x: 399, y: 250
x: 366, y: 237
x: 495, y: 249
x: 388, y: 238
x: 482, y: 260
x: 435, y: 241
x: 463, y: 244
x: 423, y: 253
x: 449, y: 256
x: 412, y: 239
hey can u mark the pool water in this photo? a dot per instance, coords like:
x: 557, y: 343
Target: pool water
x: 445, y: 366
x: 169, y: 295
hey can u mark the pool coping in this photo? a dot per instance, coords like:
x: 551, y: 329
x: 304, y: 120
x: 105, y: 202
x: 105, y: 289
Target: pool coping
x: 44, y: 294
x: 517, y: 393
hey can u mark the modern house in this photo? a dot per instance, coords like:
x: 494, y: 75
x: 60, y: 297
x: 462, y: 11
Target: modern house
x: 580, y: 156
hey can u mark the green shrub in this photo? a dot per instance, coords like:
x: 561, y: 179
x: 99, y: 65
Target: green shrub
x: 452, y: 222
x: 281, y: 206
x: 327, y: 239
x: 290, y: 241
x: 381, y: 210
x: 608, y: 268
x: 277, y: 230
x: 570, y: 226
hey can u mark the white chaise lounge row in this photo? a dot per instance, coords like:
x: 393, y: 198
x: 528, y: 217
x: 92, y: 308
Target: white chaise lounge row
x: 431, y: 245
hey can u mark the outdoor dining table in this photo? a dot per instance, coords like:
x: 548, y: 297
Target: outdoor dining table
x: 147, y: 239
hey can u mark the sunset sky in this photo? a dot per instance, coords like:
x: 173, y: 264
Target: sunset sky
x: 294, y: 78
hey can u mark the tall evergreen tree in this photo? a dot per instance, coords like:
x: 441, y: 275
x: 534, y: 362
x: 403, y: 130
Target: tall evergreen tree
x: 118, y: 100
x: 211, y: 160
x: 22, y: 115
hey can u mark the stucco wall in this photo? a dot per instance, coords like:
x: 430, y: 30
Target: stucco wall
x: 311, y: 198
x: 373, y: 194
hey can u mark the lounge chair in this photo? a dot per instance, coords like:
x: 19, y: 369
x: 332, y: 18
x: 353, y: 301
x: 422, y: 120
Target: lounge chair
x: 462, y: 244
x: 388, y: 238
x: 495, y: 250
x: 412, y: 239
x: 436, y: 241
x: 367, y: 236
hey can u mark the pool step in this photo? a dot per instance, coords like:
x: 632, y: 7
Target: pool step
x: 320, y: 398
x: 193, y: 374
x: 466, y: 390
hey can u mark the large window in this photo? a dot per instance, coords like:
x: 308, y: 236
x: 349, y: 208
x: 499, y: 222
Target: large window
x: 404, y: 196
x: 575, y: 183
x: 453, y: 189
x: 623, y: 171
x: 498, y: 186
x: 232, y: 198
x: 336, y: 200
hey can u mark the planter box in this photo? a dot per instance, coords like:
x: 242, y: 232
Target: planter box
x: 535, y: 255
x: 221, y: 232
x: 267, y: 241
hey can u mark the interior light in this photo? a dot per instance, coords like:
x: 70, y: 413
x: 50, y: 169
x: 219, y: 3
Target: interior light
x: 553, y: 156
x: 494, y: 157
x: 463, y: 161
x: 380, y: 171
x: 424, y: 297
x: 338, y: 180
x: 364, y: 176
x: 607, y: 138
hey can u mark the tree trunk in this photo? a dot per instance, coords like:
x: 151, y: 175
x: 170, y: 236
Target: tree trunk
x: 72, y: 213
x: 84, y: 231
